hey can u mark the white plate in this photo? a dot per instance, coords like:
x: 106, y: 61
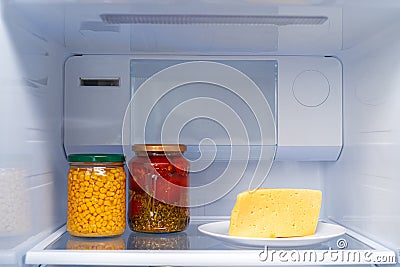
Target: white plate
x: 324, y: 232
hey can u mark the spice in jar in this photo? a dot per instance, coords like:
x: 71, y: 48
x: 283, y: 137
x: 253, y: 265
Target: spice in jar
x: 96, y: 195
x: 158, y: 189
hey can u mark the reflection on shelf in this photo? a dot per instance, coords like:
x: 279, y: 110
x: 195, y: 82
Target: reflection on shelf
x: 168, y: 241
x: 84, y: 243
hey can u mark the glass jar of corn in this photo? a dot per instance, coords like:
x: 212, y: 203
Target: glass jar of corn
x: 96, y: 195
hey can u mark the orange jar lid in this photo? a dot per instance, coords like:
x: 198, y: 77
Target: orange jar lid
x: 159, y: 148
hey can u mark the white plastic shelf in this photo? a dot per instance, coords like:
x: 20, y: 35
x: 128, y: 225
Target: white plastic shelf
x: 189, y: 248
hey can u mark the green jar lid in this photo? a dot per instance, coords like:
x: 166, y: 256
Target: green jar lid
x: 96, y: 158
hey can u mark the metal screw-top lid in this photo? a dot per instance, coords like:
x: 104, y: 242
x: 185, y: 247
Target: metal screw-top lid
x: 96, y: 158
x: 159, y: 148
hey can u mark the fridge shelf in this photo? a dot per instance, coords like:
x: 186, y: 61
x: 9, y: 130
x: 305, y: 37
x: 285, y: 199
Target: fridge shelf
x: 192, y: 248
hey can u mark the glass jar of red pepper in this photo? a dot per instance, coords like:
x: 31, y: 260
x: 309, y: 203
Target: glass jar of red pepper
x: 158, y: 189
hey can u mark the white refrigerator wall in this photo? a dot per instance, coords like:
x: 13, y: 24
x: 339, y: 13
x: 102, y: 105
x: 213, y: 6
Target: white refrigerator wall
x: 32, y: 162
x: 362, y: 187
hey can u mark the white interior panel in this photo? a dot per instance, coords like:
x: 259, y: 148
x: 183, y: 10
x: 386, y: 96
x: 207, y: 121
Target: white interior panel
x: 252, y: 38
x: 85, y: 32
x: 94, y: 114
x: 319, y: 39
x: 307, y: 104
x: 32, y: 162
x: 362, y: 185
x: 239, y: 95
x: 309, y: 117
x: 282, y: 175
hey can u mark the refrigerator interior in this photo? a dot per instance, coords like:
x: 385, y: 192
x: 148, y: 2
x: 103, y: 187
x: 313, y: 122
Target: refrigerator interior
x: 37, y: 38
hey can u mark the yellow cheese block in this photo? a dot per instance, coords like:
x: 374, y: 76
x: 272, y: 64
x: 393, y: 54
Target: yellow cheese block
x: 276, y: 212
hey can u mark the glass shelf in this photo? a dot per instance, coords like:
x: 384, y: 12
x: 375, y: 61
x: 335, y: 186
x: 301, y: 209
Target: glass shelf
x: 188, y: 248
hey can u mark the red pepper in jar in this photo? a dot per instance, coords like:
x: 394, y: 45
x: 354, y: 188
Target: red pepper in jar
x: 158, y: 189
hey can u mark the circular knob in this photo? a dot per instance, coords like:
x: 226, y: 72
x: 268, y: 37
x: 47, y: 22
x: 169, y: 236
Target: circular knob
x: 311, y: 88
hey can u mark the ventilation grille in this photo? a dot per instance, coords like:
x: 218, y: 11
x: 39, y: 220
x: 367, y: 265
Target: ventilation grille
x: 99, y: 82
x: 212, y: 19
